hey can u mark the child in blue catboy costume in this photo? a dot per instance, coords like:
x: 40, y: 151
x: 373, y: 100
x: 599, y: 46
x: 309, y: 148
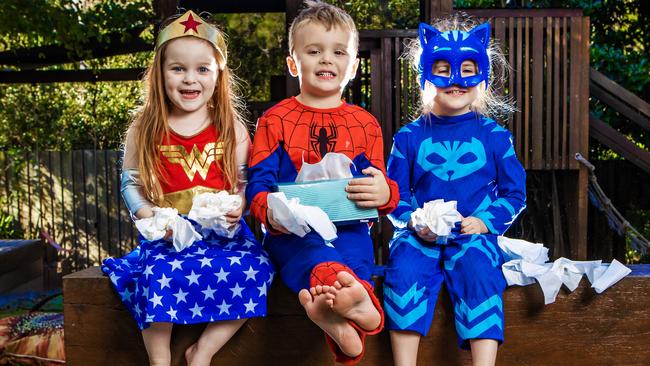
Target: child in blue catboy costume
x: 453, y: 151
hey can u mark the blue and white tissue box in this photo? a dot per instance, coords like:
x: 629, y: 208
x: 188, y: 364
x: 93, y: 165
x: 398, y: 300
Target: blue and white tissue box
x: 331, y: 197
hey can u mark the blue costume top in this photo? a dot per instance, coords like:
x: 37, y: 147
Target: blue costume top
x: 466, y: 158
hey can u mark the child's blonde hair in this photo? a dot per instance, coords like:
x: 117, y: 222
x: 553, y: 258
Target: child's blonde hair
x: 325, y: 14
x: 150, y: 124
x: 488, y: 103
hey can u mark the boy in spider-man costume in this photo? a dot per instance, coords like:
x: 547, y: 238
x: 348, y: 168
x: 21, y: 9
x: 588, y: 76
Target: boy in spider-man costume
x: 323, y: 41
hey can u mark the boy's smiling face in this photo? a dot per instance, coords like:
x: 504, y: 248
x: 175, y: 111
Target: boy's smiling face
x: 324, y: 61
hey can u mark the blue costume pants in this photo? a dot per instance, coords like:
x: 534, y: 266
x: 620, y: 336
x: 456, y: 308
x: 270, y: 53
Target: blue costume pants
x: 294, y: 257
x: 469, y: 265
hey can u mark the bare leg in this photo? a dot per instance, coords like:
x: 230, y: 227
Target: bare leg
x: 157, y: 341
x: 405, y: 346
x: 484, y: 352
x: 353, y: 302
x: 318, y: 308
x: 214, y: 336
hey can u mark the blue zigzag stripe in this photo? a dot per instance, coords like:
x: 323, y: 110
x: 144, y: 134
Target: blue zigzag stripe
x: 462, y: 310
x: 479, y: 243
x: 432, y: 252
x: 402, y: 301
x: 404, y: 321
x: 480, y: 328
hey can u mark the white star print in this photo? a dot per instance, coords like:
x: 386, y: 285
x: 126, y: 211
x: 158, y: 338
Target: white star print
x: 114, y: 278
x: 159, y: 256
x: 270, y: 277
x: 176, y: 264
x: 250, y: 306
x: 148, y: 271
x: 243, y: 252
x: 201, y: 251
x: 223, y: 308
x: 180, y: 296
x: 172, y: 313
x: 222, y: 275
x: 230, y: 245
x: 145, y: 291
x: 208, y: 293
x: 164, y: 281
x: 206, y: 262
x: 193, y: 278
x: 196, y: 310
x: 262, y: 259
x: 234, y: 260
x: 137, y: 309
x: 236, y: 291
x: 250, y: 274
x: 126, y: 295
x: 155, y: 300
x: 262, y: 290
x: 149, y: 319
x: 248, y: 244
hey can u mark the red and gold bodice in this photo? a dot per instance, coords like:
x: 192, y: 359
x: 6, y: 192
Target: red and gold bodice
x: 191, y: 165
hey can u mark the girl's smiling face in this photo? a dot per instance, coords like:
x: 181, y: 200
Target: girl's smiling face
x: 454, y: 100
x: 190, y: 73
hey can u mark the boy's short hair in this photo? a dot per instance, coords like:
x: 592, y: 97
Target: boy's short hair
x: 326, y: 14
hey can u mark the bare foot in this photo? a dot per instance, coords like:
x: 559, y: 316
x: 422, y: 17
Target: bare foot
x: 353, y: 302
x: 316, y: 303
x: 193, y: 356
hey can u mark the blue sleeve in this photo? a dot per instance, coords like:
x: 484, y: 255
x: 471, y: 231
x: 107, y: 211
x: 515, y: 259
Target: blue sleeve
x: 511, y: 186
x: 399, y: 170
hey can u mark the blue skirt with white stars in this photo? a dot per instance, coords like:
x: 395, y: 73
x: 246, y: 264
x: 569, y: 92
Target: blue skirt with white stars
x: 215, y: 279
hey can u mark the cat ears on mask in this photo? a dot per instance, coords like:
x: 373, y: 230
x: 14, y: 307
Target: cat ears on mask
x: 427, y: 33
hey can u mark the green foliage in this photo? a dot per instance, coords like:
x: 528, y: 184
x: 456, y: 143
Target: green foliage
x: 9, y: 228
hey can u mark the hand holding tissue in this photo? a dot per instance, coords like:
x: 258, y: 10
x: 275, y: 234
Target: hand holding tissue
x: 155, y: 228
x: 438, y: 216
x: 209, y: 210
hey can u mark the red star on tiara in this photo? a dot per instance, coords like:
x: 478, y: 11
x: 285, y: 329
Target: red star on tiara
x: 190, y: 23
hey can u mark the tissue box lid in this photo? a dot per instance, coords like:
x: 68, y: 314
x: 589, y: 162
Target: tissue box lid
x: 331, y: 197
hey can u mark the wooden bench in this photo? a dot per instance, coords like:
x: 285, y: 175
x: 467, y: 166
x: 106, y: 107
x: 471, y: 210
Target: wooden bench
x: 21, y: 265
x: 580, y: 328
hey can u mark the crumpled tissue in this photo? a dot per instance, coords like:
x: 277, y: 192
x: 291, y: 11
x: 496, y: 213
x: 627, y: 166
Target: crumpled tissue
x: 331, y: 166
x: 298, y: 218
x: 209, y: 210
x: 155, y: 228
x: 527, y: 264
x: 439, y: 216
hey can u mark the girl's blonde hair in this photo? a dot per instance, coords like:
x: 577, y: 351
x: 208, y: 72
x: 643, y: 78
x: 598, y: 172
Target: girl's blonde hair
x: 150, y: 124
x: 488, y: 103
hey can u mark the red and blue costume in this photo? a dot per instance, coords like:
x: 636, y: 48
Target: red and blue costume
x: 287, y: 135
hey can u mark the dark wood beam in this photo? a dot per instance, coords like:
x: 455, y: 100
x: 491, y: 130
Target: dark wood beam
x: 62, y: 76
x: 32, y: 58
x: 432, y: 9
x: 234, y: 6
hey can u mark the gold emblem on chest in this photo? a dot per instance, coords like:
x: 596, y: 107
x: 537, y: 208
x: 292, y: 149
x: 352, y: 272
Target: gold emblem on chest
x: 195, y: 161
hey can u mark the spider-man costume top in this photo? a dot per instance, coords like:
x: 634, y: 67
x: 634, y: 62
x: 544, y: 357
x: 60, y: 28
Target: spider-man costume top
x: 291, y: 133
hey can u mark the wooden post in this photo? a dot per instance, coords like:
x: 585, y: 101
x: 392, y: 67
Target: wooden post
x: 431, y: 9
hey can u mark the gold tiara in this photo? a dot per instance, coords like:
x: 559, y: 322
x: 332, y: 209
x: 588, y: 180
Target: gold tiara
x: 190, y: 24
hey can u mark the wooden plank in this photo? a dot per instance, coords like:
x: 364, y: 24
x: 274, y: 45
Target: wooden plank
x: 537, y: 94
x: 613, y: 100
x: 96, y: 330
x: 584, y: 102
x: 375, y: 82
x: 63, y: 76
x: 575, y: 88
x: 619, y: 143
x: 557, y: 162
x: 386, y: 91
x: 638, y: 104
x: 527, y: 82
x: 548, y: 112
x: 523, y: 13
x: 518, y: 86
x: 565, y: 97
x: 511, y: 82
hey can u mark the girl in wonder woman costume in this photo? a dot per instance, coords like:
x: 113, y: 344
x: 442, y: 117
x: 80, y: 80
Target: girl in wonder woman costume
x: 189, y: 138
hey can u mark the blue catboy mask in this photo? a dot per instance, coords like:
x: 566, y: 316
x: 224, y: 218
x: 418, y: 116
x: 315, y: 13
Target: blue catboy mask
x: 454, y: 47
